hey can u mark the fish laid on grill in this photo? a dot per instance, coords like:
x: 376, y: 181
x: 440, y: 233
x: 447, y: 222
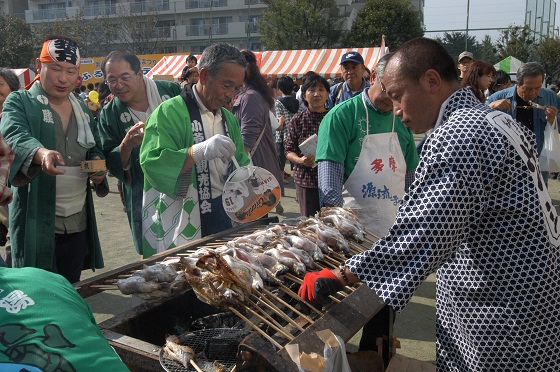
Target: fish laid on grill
x: 344, y: 221
x: 327, y: 234
x: 213, y: 280
x: 153, y: 282
x: 175, y: 351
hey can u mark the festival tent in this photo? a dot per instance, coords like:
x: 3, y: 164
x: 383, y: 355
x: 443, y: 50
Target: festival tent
x: 509, y: 64
x: 325, y: 62
x: 276, y: 63
x: 24, y: 75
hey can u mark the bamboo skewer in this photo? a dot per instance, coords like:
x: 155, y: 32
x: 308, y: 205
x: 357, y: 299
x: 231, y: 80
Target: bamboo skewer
x: 271, y: 322
x: 255, y: 327
x: 193, y: 363
x: 372, y: 234
x: 294, y: 295
x: 268, y: 293
x: 293, y: 278
x: 279, y: 312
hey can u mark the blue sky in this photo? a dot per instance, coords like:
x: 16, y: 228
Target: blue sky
x: 452, y: 15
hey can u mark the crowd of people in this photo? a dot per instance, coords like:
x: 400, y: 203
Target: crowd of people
x: 472, y: 191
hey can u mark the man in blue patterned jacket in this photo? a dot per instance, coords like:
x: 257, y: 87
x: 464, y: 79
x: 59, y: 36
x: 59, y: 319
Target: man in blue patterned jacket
x: 479, y: 214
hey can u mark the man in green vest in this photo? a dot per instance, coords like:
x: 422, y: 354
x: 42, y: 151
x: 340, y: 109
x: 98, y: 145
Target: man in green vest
x: 121, y: 127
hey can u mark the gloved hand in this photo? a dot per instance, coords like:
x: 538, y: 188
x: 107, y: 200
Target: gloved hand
x: 318, y: 285
x: 218, y: 146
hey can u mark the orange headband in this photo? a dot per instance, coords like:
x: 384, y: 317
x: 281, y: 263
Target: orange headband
x: 60, y: 50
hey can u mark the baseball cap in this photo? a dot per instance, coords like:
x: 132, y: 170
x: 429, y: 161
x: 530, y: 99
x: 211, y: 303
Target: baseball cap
x: 352, y: 57
x: 465, y: 54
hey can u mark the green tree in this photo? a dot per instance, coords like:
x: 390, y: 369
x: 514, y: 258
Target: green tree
x: 80, y: 29
x: 300, y: 24
x: 516, y: 41
x: 548, y: 53
x: 16, y: 43
x: 454, y: 43
x: 488, y: 50
x: 396, y: 19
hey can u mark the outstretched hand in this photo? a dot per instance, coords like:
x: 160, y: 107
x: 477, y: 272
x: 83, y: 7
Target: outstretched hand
x: 318, y: 285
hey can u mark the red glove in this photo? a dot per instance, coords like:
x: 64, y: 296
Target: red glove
x: 318, y: 285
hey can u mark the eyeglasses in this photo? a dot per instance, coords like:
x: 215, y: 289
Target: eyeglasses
x: 231, y: 88
x: 124, y: 78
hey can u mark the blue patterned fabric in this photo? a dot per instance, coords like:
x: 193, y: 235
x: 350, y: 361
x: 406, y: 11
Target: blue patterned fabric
x: 473, y: 215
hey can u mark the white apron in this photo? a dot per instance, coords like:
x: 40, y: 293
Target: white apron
x: 376, y: 185
x: 70, y: 191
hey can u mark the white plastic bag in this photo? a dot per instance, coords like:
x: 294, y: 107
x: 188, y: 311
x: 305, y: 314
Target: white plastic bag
x: 274, y: 123
x: 333, y: 358
x: 549, y: 160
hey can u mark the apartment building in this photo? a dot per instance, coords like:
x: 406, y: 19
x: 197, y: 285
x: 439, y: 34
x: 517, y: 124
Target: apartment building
x: 183, y: 25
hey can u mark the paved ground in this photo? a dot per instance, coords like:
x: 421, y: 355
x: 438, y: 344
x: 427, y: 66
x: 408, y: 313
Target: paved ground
x: 414, y: 327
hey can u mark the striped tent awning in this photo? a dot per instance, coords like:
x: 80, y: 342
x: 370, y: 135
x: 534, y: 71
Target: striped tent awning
x: 24, y: 75
x: 276, y: 63
x: 325, y: 62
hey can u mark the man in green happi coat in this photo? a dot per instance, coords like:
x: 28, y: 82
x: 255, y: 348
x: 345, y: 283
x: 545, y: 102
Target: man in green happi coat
x: 52, y: 220
x: 121, y: 127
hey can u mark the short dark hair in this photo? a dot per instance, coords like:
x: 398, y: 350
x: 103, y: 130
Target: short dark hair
x: 90, y: 86
x: 531, y: 69
x: 191, y: 58
x: 10, y: 77
x: 286, y: 84
x: 311, y: 81
x: 82, y: 88
x: 122, y: 55
x: 420, y: 55
x: 215, y: 55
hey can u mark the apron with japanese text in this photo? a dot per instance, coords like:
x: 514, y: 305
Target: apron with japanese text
x: 376, y: 186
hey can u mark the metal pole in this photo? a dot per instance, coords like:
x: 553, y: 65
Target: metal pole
x: 467, y: 30
x: 249, y: 25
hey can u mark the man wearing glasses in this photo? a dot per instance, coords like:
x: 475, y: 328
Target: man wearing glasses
x: 121, y: 127
x: 353, y: 71
x: 186, y: 154
x: 465, y: 61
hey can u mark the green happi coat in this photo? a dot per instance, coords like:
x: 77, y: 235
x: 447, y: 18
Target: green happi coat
x: 27, y: 124
x: 114, y: 122
x: 170, y: 222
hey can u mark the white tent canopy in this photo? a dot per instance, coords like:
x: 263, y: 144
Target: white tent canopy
x: 510, y: 65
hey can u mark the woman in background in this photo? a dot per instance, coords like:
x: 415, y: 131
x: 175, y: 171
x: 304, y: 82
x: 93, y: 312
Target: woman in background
x: 478, y: 78
x: 252, y: 109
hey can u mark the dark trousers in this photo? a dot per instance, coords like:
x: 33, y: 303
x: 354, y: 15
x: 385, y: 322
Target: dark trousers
x: 308, y: 200
x: 70, y: 252
x: 217, y: 220
x: 380, y: 326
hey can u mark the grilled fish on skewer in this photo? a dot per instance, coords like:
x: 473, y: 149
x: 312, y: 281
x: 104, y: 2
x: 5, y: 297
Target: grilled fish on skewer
x: 174, y: 350
x: 346, y: 227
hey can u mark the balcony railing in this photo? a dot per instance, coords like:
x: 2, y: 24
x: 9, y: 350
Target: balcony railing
x: 203, y: 30
x: 195, y: 4
x: 100, y: 10
x: 48, y: 14
x: 149, y: 6
x: 163, y: 32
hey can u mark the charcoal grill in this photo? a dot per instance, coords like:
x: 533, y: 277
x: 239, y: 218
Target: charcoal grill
x: 209, y: 345
x: 139, y: 333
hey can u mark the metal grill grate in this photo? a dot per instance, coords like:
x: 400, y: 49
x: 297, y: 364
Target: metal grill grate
x: 209, y: 345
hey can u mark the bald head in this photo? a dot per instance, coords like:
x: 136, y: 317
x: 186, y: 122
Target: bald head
x: 418, y: 78
x: 420, y: 55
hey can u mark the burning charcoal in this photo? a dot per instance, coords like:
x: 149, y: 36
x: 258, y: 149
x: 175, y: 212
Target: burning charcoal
x: 221, y: 320
x: 216, y: 348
